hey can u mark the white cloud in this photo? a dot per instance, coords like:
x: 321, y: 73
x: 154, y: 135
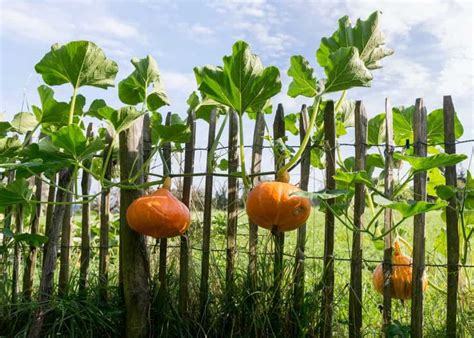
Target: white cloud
x: 184, y: 83
x: 64, y: 22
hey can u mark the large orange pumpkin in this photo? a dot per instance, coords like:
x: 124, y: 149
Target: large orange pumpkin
x: 159, y: 214
x: 270, y: 206
x: 401, y: 281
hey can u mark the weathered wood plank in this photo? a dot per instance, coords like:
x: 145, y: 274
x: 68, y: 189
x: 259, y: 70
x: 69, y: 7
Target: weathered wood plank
x: 328, y: 272
x: 133, y: 252
x: 355, y: 294
x: 452, y: 230
x: 207, y: 220
x: 419, y: 190
x: 185, y: 245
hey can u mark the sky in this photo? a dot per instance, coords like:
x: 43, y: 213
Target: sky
x: 433, y: 43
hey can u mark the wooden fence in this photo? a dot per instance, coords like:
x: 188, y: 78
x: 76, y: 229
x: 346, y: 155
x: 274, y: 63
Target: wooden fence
x: 134, y: 265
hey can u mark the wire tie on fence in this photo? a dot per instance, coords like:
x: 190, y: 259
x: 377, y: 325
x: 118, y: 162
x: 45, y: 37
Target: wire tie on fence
x: 407, y: 144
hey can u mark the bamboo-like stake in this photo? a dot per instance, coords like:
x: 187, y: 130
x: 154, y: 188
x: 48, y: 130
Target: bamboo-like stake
x: 133, y: 252
x: 184, y: 245
x: 419, y: 188
x: 259, y: 133
x: 388, y: 218
x: 355, y: 294
x: 301, y: 236
x: 206, y: 223
x: 452, y: 230
x: 85, y: 222
x: 328, y: 272
x: 104, y: 224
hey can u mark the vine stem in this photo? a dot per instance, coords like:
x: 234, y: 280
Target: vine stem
x: 210, y: 156
x: 247, y: 184
x: 307, y: 136
x: 73, y: 106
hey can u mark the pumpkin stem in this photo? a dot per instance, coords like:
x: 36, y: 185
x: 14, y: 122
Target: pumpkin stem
x: 167, y: 183
x: 398, y: 251
x: 283, y: 176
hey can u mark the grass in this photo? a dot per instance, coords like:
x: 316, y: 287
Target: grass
x: 246, y: 314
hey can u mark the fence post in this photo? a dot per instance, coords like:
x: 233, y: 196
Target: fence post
x: 64, y: 257
x: 206, y: 223
x: 278, y: 236
x: 104, y: 224
x: 133, y: 252
x: 388, y: 218
x: 258, y: 134
x: 166, y: 151
x: 419, y: 190
x: 19, y: 212
x: 298, y: 291
x: 86, y: 230
x: 232, y: 204
x: 355, y: 293
x: 328, y: 271
x: 50, y: 252
x: 451, y: 220
x: 301, y: 236
x: 30, y: 265
x: 184, y: 248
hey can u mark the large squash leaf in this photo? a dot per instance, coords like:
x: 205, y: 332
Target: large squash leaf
x: 80, y: 63
x: 51, y: 111
x: 242, y: 84
x: 304, y: 82
x: 409, y: 208
x: 344, y: 69
x: 419, y: 164
x: 366, y: 36
x: 134, y: 89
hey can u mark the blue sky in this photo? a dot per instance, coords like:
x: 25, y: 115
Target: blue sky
x: 433, y: 43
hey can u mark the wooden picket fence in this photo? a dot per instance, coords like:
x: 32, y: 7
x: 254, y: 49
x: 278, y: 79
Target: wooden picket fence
x: 135, y: 149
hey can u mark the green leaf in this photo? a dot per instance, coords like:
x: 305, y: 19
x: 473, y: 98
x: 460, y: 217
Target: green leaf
x: 202, y: 109
x: 4, y: 127
x: 409, y: 208
x: 24, y: 122
x: 291, y: 121
x: 445, y: 192
x: 376, y: 129
x: 317, y: 158
x: 15, y: 193
x: 242, y: 84
x: 134, y: 89
x: 419, y: 164
x: 35, y: 240
x: 304, y: 82
x: 351, y: 178
x: 403, y: 124
x: 344, y: 70
x: 435, y: 178
x: 120, y: 119
x: 435, y: 128
x: 366, y: 36
x: 9, y: 146
x: 73, y: 141
x: 79, y: 63
x: 345, y: 114
x: 51, y: 111
x: 178, y: 131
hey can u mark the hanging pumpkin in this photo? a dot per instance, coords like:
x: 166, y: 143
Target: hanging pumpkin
x: 159, y: 214
x: 270, y: 205
x: 401, y: 281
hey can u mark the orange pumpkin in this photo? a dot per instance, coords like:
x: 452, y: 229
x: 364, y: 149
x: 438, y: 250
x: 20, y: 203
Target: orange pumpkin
x: 270, y: 206
x: 401, y: 281
x: 159, y: 214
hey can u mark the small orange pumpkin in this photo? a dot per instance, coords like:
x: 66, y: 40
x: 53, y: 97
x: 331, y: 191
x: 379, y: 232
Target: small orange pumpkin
x: 159, y: 214
x: 270, y: 206
x: 401, y: 281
